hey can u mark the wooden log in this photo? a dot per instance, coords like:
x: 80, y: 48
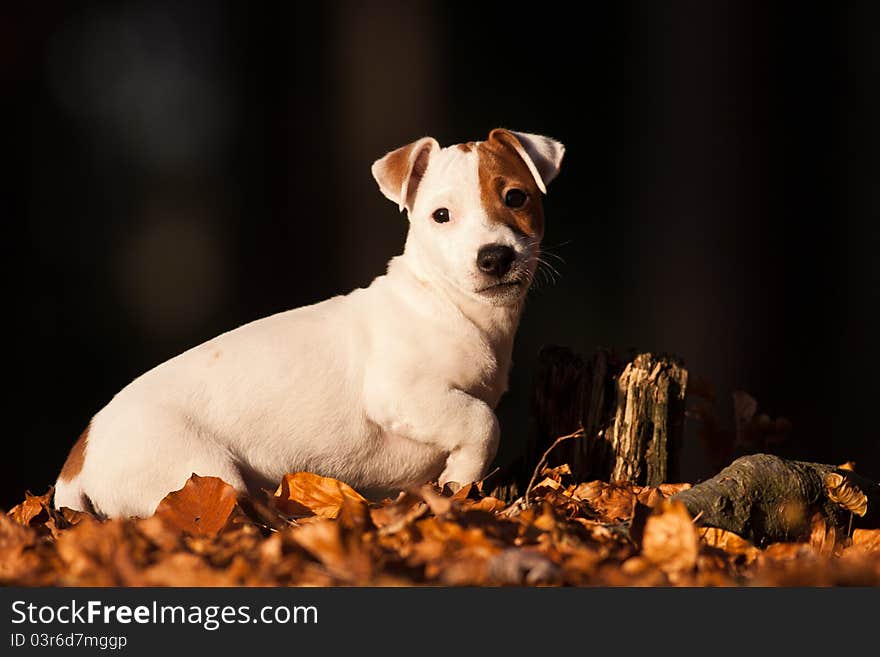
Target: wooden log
x: 648, y: 420
x: 632, y: 414
x: 766, y: 498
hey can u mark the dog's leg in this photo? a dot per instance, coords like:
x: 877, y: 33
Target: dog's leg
x: 462, y: 426
x: 137, y: 453
x: 469, y: 461
x: 473, y: 439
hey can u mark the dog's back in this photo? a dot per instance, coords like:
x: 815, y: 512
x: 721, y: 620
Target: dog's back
x: 197, y: 413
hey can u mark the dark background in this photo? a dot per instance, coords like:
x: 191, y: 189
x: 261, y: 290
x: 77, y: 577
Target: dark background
x: 181, y: 168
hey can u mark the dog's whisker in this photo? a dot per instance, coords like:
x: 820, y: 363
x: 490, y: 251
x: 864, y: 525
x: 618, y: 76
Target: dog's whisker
x: 546, y: 278
x: 547, y: 247
x: 548, y: 272
x: 553, y: 255
x: 549, y: 269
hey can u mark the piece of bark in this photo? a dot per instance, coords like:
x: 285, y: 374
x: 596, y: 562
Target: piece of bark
x: 632, y: 414
x: 766, y: 499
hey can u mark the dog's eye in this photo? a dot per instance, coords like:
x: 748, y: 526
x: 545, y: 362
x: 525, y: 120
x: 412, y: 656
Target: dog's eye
x: 515, y: 198
x: 441, y: 215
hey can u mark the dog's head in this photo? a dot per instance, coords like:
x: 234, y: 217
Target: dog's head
x: 475, y: 212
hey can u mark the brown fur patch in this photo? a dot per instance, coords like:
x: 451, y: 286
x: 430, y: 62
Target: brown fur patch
x: 466, y: 147
x: 500, y: 170
x: 74, y: 463
x: 396, y: 168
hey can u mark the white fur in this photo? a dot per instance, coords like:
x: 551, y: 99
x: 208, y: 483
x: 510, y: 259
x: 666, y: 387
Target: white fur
x: 387, y: 387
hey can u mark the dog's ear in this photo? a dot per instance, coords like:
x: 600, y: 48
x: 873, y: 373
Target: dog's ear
x: 400, y: 171
x: 542, y: 155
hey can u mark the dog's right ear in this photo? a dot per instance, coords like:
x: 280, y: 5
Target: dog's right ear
x: 400, y: 172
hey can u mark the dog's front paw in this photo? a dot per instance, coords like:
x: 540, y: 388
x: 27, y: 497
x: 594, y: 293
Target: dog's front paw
x: 462, y: 467
x: 450, y: 488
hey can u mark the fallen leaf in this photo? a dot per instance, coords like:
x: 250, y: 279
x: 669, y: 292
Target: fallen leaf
x: 465, y: 491
x: 786, y: 551
x: 613, y: 502
x: 395, y: 516
x: 669, y: 490
x: 341, y: 551
x: 305, y: 493
x: 649, y: 496
x: 91, y: 552
x: 19, y: 561
x: 634, y: 571
x: 32, y: 507
x: 487, y: 504
x: 201, y: 507
x: 158, y: 532
x: 557, y: 472
x: 518, y: 566
x: 867, y: 539
x: 670, y: 539
x: 438, y: 504
x: 451, y: 553
x: 547, y: 483
x: 354, y: 514
x: 587, y: 534
x: 727, y: 541
x: 182, y: 569
x: 845, y: 493
x: 822, y: 535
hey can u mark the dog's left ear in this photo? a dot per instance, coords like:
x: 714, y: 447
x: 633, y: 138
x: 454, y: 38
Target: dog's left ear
x: 400, y: 171
x: 542, y: 155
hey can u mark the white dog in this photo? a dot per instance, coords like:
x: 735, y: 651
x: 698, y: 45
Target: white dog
x: 387, y: 387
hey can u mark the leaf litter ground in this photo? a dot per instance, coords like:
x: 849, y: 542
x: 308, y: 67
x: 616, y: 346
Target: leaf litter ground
x: 318, y: 531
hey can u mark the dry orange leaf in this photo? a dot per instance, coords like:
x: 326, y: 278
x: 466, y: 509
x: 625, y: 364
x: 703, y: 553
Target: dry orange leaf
x: 572, y: 535
x: 201, y: 507
x: 32, y: 506
x: 341, y: 551
x: 612, y: 501
x: 488, y: 504
x: 438, y: 504
x: 822, y: 535
x: 669, y: 490
x: 867, y: 539
x: 557, y: 472
x: 305, y: 493
x: 670, y: 540
x: 398, y: 514
x: 182, y: 569
x: 845, y: 493
x: 787, y: 551
x: 17, y: 556
x: 649, y: 496
x: 728, y: 541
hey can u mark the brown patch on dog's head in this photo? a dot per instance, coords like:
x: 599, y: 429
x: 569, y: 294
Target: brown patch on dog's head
x: 74, y: 463
x: 501, y: 169
x: 467, y: 147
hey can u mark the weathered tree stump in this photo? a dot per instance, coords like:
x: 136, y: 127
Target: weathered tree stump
x: 766, y: 498
x: 632, y: 414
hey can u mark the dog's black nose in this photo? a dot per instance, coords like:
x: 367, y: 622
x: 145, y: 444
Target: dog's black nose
x: 495, y: 259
